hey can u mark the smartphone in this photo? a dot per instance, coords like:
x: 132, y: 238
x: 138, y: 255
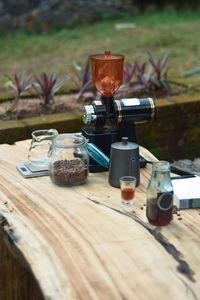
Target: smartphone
x: 27, y: 170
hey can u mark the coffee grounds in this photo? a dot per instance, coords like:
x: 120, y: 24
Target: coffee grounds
x: 69, y: 171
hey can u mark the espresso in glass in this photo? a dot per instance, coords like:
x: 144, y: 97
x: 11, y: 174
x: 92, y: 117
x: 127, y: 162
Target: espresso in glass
x: 127, y: 185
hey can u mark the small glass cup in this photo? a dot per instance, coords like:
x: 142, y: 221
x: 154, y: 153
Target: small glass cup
x: 127, y: 185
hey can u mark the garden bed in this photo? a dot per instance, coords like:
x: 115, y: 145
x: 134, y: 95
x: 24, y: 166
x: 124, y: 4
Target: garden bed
x: 29, y: 107
x: 34, y: 107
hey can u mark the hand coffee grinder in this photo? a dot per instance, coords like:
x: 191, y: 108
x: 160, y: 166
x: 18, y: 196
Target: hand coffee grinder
x: 112, y: 119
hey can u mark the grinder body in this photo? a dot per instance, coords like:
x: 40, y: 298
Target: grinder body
x: 122, y: 115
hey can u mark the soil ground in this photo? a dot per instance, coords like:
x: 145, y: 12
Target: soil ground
x: 30, y: 107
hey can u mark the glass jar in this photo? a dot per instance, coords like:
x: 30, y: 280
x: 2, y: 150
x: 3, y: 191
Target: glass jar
x: 159, y: 208
x: 68, y: 163
x: 39, y: 148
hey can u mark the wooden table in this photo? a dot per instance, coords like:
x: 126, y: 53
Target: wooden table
x: 79, y: 243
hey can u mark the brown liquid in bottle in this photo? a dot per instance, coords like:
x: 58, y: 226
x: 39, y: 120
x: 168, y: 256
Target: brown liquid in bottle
x: 157, y: 216
x: 159, y: 207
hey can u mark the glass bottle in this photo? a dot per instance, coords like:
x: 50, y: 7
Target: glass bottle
x: 159, y: 208
x: 68, y: 163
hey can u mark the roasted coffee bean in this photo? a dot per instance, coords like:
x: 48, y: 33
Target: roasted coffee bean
x: 69, y: 172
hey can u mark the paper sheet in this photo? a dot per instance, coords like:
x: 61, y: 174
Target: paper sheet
x: 187, y: 188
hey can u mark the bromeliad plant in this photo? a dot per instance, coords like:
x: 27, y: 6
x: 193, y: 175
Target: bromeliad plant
x: 83, y: 79
x: 129, y: 71
x: 153, y: 78
x: 159, y: 76
x: 46, y: 86
x: 139, y: 72
x: 19, y: 83
x: 143, y: 77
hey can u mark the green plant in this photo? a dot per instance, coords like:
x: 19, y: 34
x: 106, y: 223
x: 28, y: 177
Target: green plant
x: 142, y: 76
x: 83, y: 79
x: 159, y: 78
x: 19, y: 83
x: 129, y: 71
x: 46, y: 86
x: 192, y: 72
x: 145, y: 79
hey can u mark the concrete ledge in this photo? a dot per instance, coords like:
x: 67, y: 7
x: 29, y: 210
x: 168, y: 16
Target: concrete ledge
x: 12, y: 131
x: 176, y: 132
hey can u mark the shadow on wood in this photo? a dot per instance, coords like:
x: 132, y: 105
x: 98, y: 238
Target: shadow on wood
x: 16, y: 283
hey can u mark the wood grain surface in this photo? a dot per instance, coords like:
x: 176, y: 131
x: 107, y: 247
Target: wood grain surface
x: 79, y: 243
x: 16, y: 282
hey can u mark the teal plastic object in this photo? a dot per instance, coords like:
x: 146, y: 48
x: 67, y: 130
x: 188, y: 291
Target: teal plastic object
x: 98, y: 155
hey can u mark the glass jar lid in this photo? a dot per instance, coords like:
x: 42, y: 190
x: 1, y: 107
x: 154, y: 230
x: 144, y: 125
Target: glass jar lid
x: 67, y: 141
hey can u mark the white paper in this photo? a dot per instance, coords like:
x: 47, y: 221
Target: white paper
x: 187, y: 188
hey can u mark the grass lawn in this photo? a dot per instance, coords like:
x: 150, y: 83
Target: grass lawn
x: 175, y: 33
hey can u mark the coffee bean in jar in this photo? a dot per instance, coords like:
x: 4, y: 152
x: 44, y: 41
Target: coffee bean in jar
x: 69, y: 172
x: 68, y: 164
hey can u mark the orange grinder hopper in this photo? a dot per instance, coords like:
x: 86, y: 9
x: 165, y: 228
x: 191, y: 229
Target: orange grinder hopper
x: 107, y: 72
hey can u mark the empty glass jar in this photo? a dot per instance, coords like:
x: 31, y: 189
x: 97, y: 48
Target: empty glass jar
x: 68, y: 161
x: 39, y: 148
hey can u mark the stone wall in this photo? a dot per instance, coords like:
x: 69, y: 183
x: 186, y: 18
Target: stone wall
x: 42, y: 15
x: 175, y: 134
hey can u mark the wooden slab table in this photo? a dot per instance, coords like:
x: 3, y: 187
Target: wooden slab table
x: 78, y: 242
